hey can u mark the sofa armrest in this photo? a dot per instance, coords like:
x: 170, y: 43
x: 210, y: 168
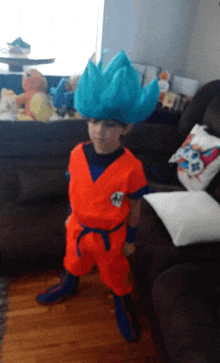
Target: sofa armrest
x: 182, y: 298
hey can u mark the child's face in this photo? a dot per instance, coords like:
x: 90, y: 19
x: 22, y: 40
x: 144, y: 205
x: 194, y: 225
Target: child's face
x: 105, y: 135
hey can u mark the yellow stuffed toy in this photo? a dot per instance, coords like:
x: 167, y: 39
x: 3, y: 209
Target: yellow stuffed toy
x: 35, y: 99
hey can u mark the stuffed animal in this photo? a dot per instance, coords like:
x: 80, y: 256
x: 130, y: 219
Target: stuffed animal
x: 35, y: 100
x: 41, y: 106
x: 163, y: 84
x: 72, y: 82
x: 63, y: 97
x: 8, y: 107
x: 71, y: 86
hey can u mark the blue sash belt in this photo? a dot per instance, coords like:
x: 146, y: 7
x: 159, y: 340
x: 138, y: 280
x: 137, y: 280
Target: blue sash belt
x: 102, y: 232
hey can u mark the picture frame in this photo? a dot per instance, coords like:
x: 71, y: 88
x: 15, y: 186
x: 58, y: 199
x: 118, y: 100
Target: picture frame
x: 184, y: 86
x: 151, y: 72
x: 141, y: 70
x: 169, y: 100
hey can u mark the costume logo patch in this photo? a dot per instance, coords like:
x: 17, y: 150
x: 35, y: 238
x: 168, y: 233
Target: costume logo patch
x: 117, y: 199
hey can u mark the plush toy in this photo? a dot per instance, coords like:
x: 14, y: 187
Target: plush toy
x: 41, y: 106
x: 63, y: 96
x: 163, y: 84
x: 35, y: 100
x: 72, y: 82
x: 71, y: 86
x: 8, y: 107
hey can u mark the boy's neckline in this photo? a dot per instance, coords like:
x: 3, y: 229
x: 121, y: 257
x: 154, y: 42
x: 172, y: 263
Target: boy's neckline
x: 118, y: 150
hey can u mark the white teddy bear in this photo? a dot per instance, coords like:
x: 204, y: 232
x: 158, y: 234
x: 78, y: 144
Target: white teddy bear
x: 8, y: 107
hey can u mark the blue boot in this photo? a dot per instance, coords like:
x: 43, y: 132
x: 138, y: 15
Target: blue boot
x: 126, y: 317
x: 66, y: 288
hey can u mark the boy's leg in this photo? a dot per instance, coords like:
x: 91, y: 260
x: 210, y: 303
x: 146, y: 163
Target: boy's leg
x: 115, y: 273
x: 126, y: 317
x: 66, y: 288
x: 78, y: 266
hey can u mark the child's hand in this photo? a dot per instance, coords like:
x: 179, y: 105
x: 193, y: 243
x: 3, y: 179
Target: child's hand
x: 128, y: 248
x: 66, y: 221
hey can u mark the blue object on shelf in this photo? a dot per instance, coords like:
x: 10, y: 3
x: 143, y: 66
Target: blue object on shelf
x: 19, y: 42
x: 57, y: 93
x: 60, y: 97
x: 69, y: 99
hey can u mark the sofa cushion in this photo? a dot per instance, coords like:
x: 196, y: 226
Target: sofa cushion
x: 150, y: 139
x: 35, y: 155
x: 190, y: 217
x: 198, y: 159
x: 194, y: 113
x: 26, y: 140
x: 33, y: 229
x: 214, y: 188
x: 212, y: 116
x: 43, y: 179
x: 9, y: 186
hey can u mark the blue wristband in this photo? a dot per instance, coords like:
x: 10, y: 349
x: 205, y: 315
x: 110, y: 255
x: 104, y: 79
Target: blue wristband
x: 131, y: 234
x: 70, y: 210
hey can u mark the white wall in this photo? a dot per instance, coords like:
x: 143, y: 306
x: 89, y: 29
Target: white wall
x: 204, y: 50
x: 150, y: 31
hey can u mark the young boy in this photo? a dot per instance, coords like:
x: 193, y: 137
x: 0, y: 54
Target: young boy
x: 106, y: 185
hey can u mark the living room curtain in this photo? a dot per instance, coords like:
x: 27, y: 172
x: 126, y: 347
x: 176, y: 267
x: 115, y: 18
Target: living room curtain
x: 67, y: 30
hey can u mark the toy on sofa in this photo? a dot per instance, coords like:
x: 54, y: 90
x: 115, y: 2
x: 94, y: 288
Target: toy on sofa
x: 163, y: 83
x: 63, y: 96
x: 35, y: 100
x: 8, y: 107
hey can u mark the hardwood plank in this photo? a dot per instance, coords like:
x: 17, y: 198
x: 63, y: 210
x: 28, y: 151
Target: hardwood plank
x: 82, y: 329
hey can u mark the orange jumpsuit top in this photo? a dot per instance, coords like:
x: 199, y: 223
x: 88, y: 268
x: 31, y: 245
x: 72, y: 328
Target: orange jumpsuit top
x: 104, y: 203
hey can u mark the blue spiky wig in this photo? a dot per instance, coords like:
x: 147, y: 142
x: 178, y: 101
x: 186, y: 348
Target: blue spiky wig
x: 115, y: 93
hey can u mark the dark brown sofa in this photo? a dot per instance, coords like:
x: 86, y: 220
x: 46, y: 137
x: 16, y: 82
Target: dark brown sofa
x: 182, y: 282
x: 33, y: 188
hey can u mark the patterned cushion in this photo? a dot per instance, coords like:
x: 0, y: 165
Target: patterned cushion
x: 198, y: 159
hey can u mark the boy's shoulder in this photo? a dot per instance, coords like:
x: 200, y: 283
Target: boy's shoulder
x: 131, y: 156
x: 78, y: 147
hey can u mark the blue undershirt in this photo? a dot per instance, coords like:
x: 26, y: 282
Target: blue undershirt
x: 98, y: 163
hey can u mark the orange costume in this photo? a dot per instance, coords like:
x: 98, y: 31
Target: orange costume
x: 96, y: 229
x: 102, y: 186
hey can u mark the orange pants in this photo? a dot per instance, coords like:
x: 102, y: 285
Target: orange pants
x: 113, y: 265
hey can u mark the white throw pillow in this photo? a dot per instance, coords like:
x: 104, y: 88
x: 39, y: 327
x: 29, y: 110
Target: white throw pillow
x: 198, y: 159
x: 190, y: 217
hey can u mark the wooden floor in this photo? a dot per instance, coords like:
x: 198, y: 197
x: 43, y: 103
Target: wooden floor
x: 80, y: 330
